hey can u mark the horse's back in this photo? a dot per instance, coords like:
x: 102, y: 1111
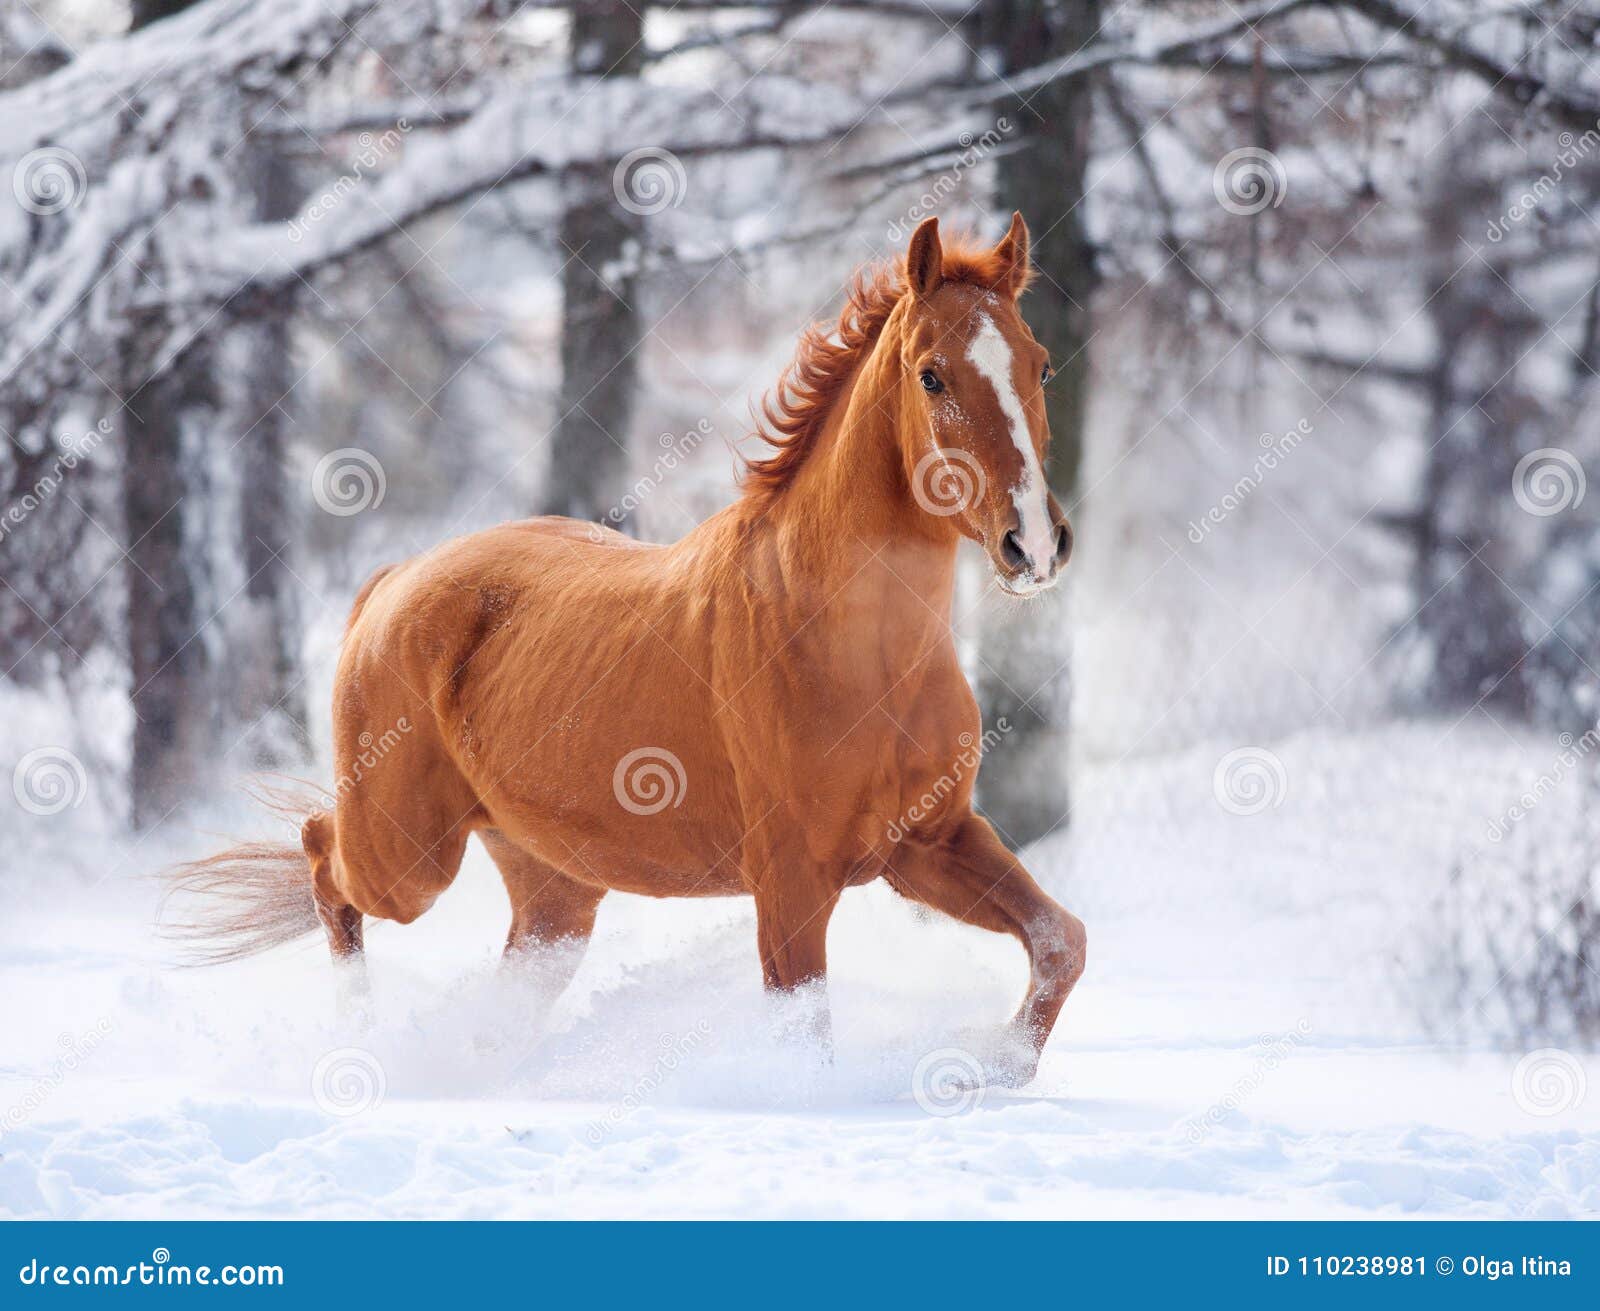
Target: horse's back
x: 525, y: 560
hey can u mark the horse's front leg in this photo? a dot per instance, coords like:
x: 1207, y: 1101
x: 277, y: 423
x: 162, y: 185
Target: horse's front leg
x: 968, y: 873
x: 794, y: 902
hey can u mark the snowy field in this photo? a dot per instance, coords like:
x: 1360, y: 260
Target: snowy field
x: 1325, y: 419
x: 1245, y: 1043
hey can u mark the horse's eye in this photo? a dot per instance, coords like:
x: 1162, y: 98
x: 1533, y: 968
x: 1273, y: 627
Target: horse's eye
x: 930, y: 381
x: 1047, y: 374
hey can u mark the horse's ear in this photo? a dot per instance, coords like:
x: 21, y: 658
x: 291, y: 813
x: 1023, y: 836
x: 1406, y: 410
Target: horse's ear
x: 1012, y: 256
x: 925, y: 259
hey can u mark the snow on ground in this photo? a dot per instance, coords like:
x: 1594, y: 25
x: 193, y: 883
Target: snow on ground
x: 1243, y: 1045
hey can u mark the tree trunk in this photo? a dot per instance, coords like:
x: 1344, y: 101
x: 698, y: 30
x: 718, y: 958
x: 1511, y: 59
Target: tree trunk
x: 1023, y: 673
x: 168, y: 661
x: 270, y: 695
x: 167, y: 656
x: 1472, y: 623
x: 600, y: 328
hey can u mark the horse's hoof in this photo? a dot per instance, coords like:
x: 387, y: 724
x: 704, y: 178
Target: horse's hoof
x: 353, y: 1005
x: 1015, y: 1061
x: 1013, y: 1074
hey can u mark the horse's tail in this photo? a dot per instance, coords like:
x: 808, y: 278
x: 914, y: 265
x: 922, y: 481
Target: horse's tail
x: 242, y: 901
x: 256, y: 895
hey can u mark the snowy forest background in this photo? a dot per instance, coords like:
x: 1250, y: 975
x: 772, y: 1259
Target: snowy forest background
x: 291, y: 289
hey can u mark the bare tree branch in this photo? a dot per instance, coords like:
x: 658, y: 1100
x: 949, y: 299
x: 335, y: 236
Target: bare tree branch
x: 1570, y: 105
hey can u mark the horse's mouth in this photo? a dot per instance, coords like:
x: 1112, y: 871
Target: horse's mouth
x: 1023, y: 583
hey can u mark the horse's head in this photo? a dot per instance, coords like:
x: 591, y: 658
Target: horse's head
x: 973, y: 428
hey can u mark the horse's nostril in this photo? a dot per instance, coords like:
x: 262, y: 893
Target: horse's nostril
x: 1063, y: 542
x: 1011, y: 550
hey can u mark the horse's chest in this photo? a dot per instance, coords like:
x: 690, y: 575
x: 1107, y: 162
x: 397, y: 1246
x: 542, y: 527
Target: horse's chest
x: 855, y: 724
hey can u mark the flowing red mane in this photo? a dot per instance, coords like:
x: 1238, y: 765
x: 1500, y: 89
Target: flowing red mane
x: 793, y: 414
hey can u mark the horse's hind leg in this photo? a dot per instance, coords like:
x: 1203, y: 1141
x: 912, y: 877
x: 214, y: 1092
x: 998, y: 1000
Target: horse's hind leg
x: 340, y: 919
x: 548, y: 909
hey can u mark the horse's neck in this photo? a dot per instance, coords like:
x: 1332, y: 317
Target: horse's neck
x: 848, y: 518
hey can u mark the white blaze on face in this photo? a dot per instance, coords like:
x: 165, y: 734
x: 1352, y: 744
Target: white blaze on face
x: 991, y: 356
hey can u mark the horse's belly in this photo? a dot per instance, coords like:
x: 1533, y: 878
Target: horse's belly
x: 640, y: 868
x: 713, y: 879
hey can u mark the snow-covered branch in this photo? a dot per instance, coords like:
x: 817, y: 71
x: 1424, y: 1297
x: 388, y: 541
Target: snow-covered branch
x: 522, y: 133
x: 142, y: 137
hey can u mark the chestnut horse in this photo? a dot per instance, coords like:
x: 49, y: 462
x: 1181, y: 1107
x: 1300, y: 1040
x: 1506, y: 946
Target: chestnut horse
x: 752, y: 710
